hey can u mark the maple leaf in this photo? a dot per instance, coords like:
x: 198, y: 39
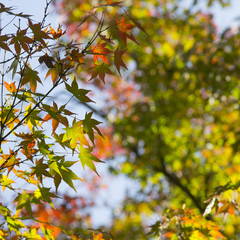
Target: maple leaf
x: 68, y: 175
x: 3, y: 43
x: 118, y: 62
x: 20, y: 40
x: 55, y: 114
x: 30, y: 76
x: 75, y: 134
x: 10, y: 86
x: 227, y: 207
x: 27, y: 144
x: 45, y: 194
x: 100, y: 70
x: 33, y: 118
x: 54, y: 74
x: 28, y: 150
x: 55, y: 122
x: 77, y: 56
x: 6, y: 182
x: 123, y: 25
x: 9, y: 160
x: 122, y: 31
x: 80, y: 94
x: 39, y: 34
x: 13, y: 67
x: 100, y: 51
x: 47, y: 60
x: 57, y: 34
x: 124, y: 36
x: 87, y: 158
x: 23, y: 200
x: 58, y: 139
x: 29, y: 137
x: 9, y: 113
x: 62, y: 171
x: 40, y: 169
x: 89, y: 124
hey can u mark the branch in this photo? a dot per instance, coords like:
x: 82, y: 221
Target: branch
x: 36, y: 106
x: 172, y: 177
x: 46, y: 12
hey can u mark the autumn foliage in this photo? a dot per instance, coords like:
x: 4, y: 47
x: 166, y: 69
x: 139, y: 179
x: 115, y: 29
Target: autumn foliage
x: 37, y: 62
x: 174, y: 118
x: 163, y: 110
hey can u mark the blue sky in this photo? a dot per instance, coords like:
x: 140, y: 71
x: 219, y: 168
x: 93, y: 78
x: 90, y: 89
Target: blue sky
x: 225, y: 17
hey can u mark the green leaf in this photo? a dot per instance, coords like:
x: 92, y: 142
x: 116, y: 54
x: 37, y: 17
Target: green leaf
x: 24, y: 201
x: 14, y: 224
x: 89, y: 124
x: 68, y: 164
x: 57, y: 180
x: 30, y: 76
x: 75, y: 134
x: 13, y: 67
x: 100, y: 71
x: 87, y: 158
x: 46, y: 195
x: 62, y: 171
x: 68, y: 176
x: 80, y: 94
x: 4, y: 210
x: 59, y: 140
x: 40, y: 170
x: 56, y: 167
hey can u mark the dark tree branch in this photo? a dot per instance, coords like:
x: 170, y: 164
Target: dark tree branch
x: 172, y: 177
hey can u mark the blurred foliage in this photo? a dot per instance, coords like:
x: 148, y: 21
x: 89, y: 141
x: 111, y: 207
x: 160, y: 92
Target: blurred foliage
x: 175, y: 115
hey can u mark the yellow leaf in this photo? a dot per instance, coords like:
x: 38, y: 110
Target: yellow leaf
x: 6, y: 182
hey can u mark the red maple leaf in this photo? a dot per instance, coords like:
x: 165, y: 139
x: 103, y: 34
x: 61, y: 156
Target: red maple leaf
x: 123, y: 25
x: 118, y: 62
x: 100, y: 51
x: 100, y: 71
x: 122, y: 31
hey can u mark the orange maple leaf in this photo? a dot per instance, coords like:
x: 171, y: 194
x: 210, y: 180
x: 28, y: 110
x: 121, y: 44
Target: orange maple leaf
x: 123, y: 31
x: 98, y: 237
x: 10, y: 86
x: 55, y: 115
x: 123, y: 25
x: 54, y: 74
x: 57, y: 34
x: 100, y: 51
